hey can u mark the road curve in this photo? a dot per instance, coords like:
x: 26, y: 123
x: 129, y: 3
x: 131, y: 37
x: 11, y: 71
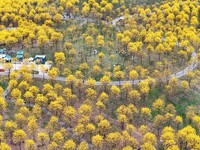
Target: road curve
x: 176, y: 75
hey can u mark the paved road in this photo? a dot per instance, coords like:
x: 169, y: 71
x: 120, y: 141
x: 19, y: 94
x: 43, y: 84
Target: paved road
x: 176, y: 75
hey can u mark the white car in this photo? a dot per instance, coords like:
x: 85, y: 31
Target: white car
x: 2, y: 55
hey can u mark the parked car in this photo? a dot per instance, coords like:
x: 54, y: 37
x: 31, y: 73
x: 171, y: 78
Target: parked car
x: 2, y: 51
x: 40, y: 58
x: 20, y: 55
x: 2, y: 55
x: 8, y: 58
x: 2, y: 70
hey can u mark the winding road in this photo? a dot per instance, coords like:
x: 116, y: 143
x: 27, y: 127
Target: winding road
x: 176, y: 75
x: 63, y: 79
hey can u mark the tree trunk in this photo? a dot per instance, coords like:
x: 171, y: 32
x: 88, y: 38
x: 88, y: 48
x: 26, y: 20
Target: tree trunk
x: 122, y: 126
x: 11, y: 138
x: 159, y: 56
x: 133, y: 59
x: 72, y: 88
x: 56, y: 43
x: 20, y: 146
x: 43, y: 77
x: 149, y: 59
x: 8, y: 74
x: 79, y: 94
x: 105, y: 88
x: 42, y: 49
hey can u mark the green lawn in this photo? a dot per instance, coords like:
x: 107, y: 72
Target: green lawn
x: 3, y: 83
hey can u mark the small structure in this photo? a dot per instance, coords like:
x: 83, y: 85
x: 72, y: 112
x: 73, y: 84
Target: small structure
x: 40, y: 58
x: 2, y: 56
x: 20, y: 55
x: 8, y: 58
x: 2, y: 51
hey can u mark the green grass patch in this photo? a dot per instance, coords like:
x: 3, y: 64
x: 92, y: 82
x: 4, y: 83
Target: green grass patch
x: 191, y: 100
x: 3, y: 85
